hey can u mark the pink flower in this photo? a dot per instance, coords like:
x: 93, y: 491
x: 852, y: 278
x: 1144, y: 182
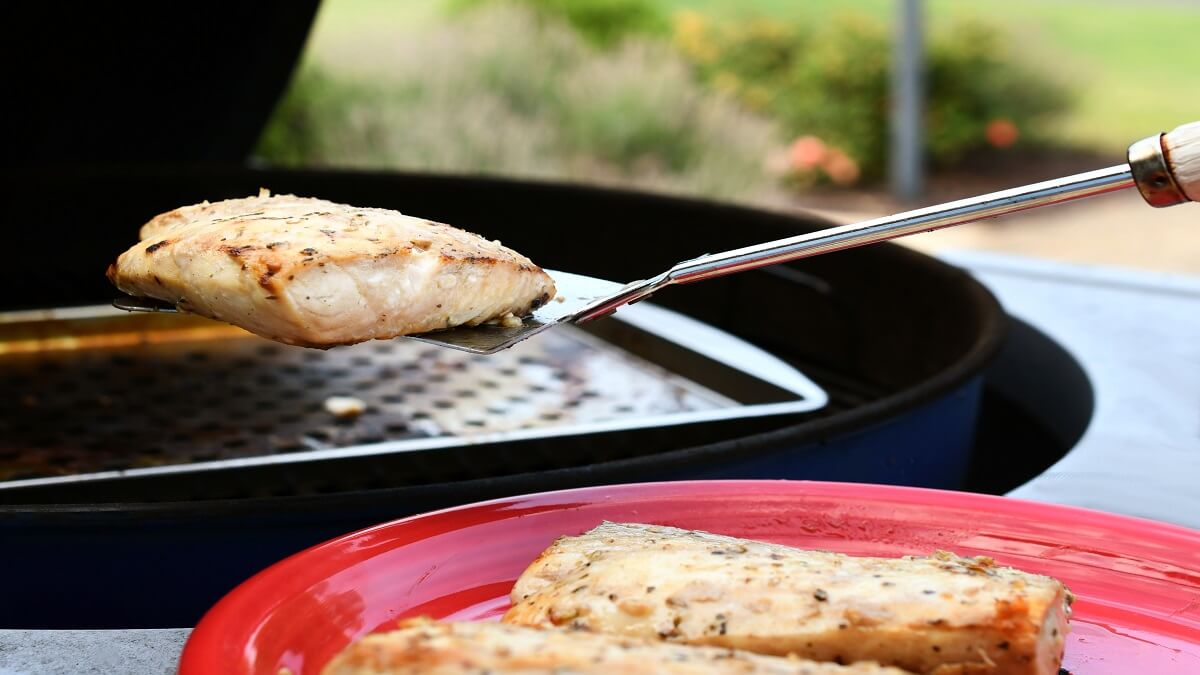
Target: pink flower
x: 807, y: 153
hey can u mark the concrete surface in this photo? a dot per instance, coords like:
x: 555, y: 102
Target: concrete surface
x: 83, y: 652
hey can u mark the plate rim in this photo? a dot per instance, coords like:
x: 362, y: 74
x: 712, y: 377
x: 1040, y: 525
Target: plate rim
x: 202, y: 650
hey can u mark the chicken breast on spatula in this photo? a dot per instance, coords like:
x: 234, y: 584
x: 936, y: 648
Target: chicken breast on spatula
x: 315, y: 273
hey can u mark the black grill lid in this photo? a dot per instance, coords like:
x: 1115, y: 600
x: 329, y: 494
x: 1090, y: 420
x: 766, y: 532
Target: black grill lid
x: 144, y: 82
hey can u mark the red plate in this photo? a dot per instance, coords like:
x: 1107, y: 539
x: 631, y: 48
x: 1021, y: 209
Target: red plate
x: 1138, y: 581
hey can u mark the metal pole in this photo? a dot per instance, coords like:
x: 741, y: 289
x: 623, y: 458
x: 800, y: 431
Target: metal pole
x: 908, y: 92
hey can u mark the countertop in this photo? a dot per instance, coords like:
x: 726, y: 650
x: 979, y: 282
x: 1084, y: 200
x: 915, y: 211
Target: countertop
x: 1137, y: 335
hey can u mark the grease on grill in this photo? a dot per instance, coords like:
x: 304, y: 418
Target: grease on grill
x: 161, y: 404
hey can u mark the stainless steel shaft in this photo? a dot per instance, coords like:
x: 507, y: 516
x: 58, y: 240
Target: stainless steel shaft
x: 910, y: 222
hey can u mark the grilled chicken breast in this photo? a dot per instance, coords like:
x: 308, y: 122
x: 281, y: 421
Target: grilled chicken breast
x: 311, y: 272
x: 455, y: 648
x: 940, y: 614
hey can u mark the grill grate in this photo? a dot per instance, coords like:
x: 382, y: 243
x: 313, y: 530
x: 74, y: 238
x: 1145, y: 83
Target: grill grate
x: 82, y: 411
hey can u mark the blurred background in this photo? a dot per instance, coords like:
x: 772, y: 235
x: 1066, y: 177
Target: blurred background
x: 776, y: 103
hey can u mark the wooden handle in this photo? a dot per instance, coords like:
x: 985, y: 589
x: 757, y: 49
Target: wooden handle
x: 1181, y: 147
x: 1166, y: 167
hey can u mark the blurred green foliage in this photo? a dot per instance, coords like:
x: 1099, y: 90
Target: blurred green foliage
x: 504, y: 90
x: 299, y: 129
x: 609, y: 91
x: 832, y: 82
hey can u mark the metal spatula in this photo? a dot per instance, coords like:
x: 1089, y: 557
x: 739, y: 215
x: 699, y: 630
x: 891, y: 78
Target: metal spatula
x: 1165, y: 168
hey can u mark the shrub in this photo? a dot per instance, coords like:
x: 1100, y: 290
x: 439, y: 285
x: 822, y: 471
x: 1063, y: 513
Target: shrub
x: 832, y: 86
x: 602, y: 22
x: 977, y: 87
x: 501, y: 90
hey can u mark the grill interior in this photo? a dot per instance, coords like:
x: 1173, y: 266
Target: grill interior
x: 178, y: 407
x: 196, y: 401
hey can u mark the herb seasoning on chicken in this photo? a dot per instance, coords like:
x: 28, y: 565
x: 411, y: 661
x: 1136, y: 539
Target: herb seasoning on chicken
x: 939, y: 614
x: 311, y: 272
x: 460, y: 648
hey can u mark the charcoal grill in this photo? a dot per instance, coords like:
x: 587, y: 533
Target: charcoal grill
x: 899, y: 342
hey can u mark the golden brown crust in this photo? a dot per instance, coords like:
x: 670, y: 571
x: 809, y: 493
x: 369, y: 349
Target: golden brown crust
x: 918, y: 613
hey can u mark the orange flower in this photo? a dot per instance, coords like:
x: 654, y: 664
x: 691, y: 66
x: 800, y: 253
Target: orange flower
x: 841, y: 168
x: 1001, y: 133
x: 807, y: 153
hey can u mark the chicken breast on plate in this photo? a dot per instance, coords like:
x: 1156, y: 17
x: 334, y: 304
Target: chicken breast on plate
x: 939, y: 614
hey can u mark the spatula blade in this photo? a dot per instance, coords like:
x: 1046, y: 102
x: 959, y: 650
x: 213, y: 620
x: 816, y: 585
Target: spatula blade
x: 575, y: 292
